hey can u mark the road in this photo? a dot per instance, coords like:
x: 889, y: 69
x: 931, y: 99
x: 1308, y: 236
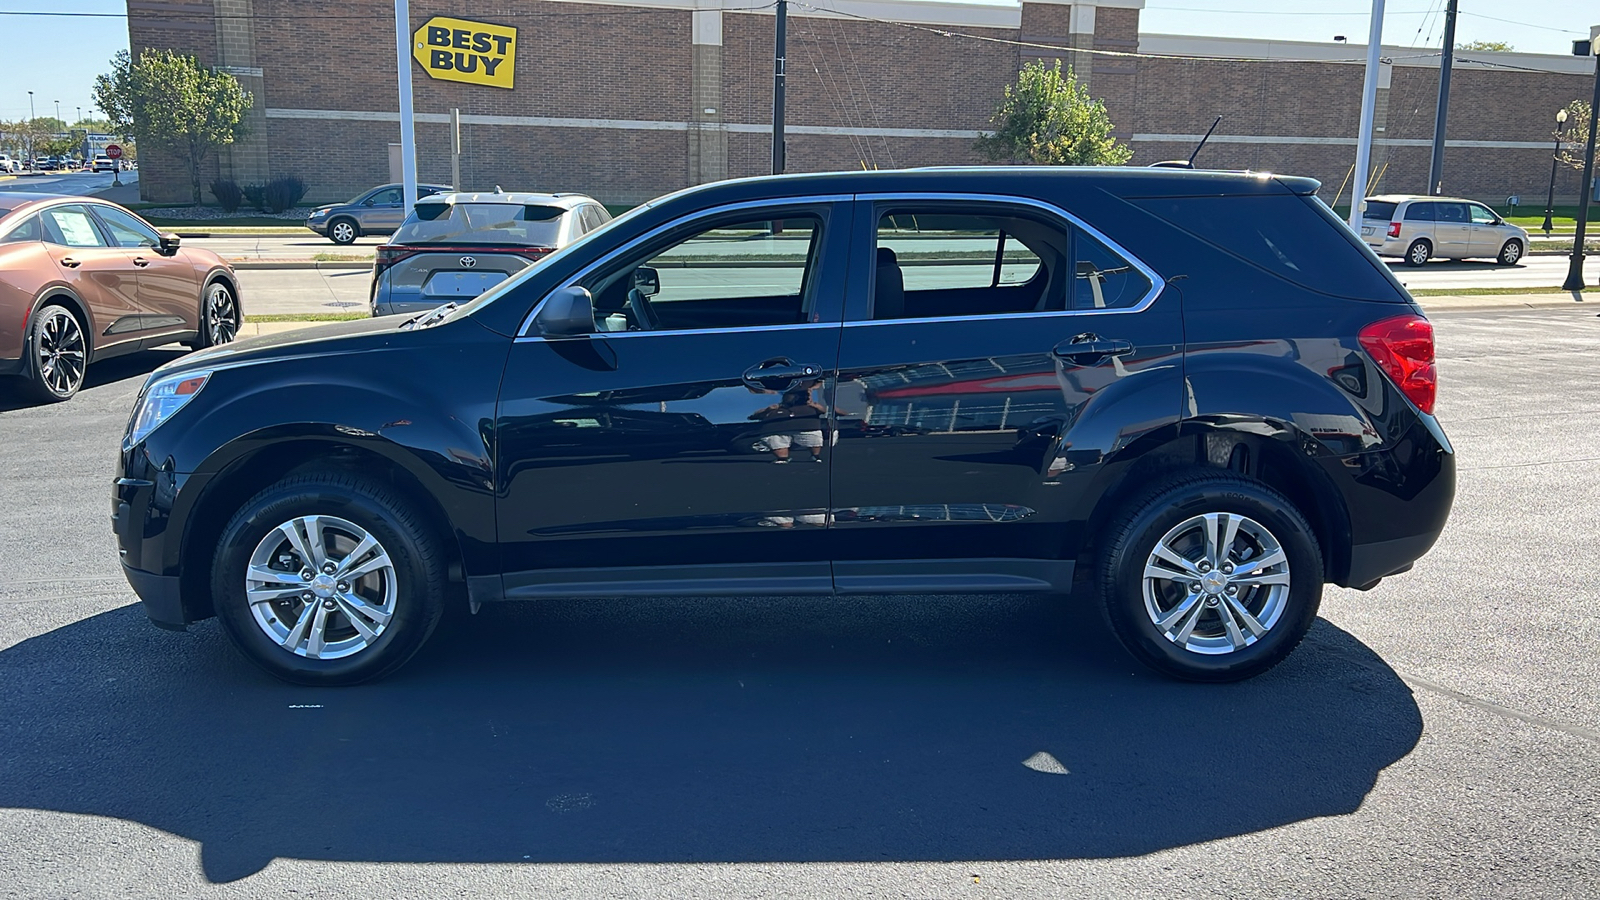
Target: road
x: 63, y: 182
x: 1435, y: 737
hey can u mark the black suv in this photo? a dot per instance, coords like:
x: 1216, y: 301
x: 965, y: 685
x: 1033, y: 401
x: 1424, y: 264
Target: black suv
x: 1195, y: 397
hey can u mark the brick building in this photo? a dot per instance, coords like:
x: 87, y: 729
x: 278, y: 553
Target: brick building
x: 628, y: 99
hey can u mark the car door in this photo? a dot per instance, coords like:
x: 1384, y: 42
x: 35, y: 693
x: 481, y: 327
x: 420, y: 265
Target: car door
x: 103, y: 276
x: 997, y: 352
x: 1487, y: 231
x: 1452, y: 230
x: 169, y: 292
x: 684, y: 446
x: 382, y: 212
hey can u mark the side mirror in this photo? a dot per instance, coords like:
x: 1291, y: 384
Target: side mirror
x: 169, y: 244
x: 568, y: 312
x: 647, y: 281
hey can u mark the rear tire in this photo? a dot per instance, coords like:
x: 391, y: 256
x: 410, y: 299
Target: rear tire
x: 56, y: 355
x: 373, y: 597
x: 1201, y: 614
x: 1418, y: 253
x: 1510, y: 254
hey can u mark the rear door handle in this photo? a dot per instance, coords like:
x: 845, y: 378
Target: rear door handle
x: 779, y: 374
x: 1089, y: 349
x: 140, y: 261
x: 70, y: 263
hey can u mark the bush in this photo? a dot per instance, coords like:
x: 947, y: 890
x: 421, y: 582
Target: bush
x: 228, y: 195
x: 256, y: 194
x: 283, y: 193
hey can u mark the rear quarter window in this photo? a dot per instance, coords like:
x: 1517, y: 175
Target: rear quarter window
x: 1382, y: 210
x: 1295, y: 238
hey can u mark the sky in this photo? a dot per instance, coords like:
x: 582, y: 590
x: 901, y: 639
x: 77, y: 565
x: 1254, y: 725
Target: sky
x: 57, y: 57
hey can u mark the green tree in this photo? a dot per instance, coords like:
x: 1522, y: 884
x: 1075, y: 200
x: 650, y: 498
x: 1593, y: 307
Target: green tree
x: 169, y: 101
x: 1048, y: 118
x: 1495, y: 46
x: 1575, y: 136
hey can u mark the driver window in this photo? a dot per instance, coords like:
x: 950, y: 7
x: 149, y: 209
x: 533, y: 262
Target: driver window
x: 390, y: 197
x: 1481, y: 215
x: 742, y: 274
x: 125, y: 230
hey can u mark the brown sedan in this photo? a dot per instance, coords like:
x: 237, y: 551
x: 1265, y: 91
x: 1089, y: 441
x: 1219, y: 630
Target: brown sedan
x: 82, y: 280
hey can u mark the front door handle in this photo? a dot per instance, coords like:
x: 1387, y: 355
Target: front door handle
x: 140, y: 261
x: 1089, y: 349
x: 70, y: 263
x: 780, y: 374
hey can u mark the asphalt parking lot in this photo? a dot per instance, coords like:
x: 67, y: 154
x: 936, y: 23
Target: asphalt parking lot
x: 1435, y: 737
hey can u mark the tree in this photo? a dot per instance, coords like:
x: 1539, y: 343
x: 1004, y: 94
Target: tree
x: 1494, y: 46
x: 169, y: 101
x: 1048, y: 118
x: 1576, y: 135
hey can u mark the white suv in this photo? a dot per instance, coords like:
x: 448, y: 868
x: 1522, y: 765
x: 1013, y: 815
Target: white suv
x: 7, y: 164
x: 1418, y: 228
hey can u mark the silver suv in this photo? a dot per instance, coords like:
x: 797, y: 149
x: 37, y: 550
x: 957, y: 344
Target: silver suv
x: 376, y: 211
x: 1418, y: 228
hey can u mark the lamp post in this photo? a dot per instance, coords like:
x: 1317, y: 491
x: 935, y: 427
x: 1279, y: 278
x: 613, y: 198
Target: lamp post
x: 1550, y: 199
x: 58, y: 112
x: 30, y: 130
x: 1574, y: 280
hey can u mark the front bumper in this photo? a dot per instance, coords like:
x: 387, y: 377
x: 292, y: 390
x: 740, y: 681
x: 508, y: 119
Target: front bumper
x: 160, y: 597
x: 320, y: 226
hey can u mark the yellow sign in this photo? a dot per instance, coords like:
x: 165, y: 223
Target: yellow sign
x: 472, y: 52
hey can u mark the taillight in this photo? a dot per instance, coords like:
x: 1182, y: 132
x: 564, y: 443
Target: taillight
x: 1394, y: 229
x: 1402, y: 347
x: 386, y: 257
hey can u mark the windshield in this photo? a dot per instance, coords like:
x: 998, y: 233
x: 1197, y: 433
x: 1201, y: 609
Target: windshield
x: 481, y: 223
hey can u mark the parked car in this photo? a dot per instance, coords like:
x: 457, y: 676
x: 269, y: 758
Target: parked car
x: 8, y: 165
x: 455, y: 246
x: 1418, y: 228
x: 82, y: 280
x: 929, y: 381
x: 376, y: 211
x: 103, y: 163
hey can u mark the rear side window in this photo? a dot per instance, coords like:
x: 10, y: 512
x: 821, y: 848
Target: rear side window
x: 31, y: 229
x: 1419, y: 212
x: 1382, y: 210
x: 481, y: 224
x: 1285, y: 235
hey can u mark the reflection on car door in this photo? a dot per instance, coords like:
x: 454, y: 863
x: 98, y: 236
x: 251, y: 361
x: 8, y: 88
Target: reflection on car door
x: 693, y: 426
x: 1452, y: 230
x: 969, y: 392
x: 169, y: 296
x: 103, y: 276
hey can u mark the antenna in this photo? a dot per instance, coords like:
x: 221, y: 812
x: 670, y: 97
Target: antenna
x: 1203, y: 141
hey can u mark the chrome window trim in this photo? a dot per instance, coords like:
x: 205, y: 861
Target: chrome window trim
x: 608, y: 335
x: 526, y: 331
x: 1157, y: 283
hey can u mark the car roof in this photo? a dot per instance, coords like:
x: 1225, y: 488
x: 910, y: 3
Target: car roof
x: 563, y: 199
x: 1401, y: 198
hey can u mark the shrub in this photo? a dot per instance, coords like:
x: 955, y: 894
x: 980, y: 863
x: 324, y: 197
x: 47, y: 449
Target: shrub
x: 256, y: 194
x: 228, y: 195
x: 283, y: 192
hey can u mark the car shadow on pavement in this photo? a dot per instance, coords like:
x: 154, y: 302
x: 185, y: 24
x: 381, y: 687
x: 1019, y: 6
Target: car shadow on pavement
x: 722, y: 730
x: 109, y: 371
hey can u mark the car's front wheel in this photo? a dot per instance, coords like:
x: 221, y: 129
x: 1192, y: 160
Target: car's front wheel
x: 1510, y: 253
x: 58, y: 355
x: 343, y: 231
x: 328, y: 579
x: 219, y: 316
x: 1213, y: 577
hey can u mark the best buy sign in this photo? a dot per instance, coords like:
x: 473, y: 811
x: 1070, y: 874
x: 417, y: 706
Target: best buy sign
x: 473, y: 52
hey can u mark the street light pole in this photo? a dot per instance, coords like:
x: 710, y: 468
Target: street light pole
x: 1555, y: 157
x: 1369, y: 105
x: 1574, y: 280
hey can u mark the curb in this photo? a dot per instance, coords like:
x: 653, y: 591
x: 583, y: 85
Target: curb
x: 1456, y: 303
x: 247, y: 264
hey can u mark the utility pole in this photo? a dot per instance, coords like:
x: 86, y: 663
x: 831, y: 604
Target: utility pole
x: 1369, y: 106
x: 780, y: 63
x: 408, y: 128
x: 1446, y: 63
x: 1574, y: 280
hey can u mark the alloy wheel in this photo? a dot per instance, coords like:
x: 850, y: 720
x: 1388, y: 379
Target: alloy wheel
x: 343, y: 233
x: 321, y: 587
x: 222, y: 315
x: 1216, y: 583
x: 61, y: 353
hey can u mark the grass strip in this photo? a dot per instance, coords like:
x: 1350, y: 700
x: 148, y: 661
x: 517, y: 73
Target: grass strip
x: 1497, y: 292
x: 307, y: 317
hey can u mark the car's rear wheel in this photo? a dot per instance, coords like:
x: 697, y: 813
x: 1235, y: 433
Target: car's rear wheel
x: 57, y: 355
x: 343, y: 231
x: 1510, y: 253
x: 328, y: 579
x: 1213, y: 577
x: 1418, y: 253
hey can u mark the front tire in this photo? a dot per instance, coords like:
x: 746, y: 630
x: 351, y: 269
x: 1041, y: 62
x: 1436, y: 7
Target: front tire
x: 343, y: 231
x: 1510, y: 254
x: 57, y: 355
x: 219, y: 316
x: 1418, y: 253
x: 328, y: 579
x: 1213, y: 577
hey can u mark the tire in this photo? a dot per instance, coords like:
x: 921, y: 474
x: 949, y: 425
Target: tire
x: 309, y: 642
x: 1417, y: 254
x: 343, y: 231
x: 1510, y: 254
x: 1182, y: 631
x: 56, y: 355
x: 219, y: 316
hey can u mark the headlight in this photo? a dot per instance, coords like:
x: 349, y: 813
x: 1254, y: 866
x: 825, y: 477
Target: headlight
x: 317, y: 213
x: 161, y: 399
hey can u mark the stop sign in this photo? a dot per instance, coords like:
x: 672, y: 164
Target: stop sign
x: 114, y: 151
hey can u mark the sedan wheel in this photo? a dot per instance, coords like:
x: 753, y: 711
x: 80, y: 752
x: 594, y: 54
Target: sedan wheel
x: 221, y: 320
x: 59, y: 356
